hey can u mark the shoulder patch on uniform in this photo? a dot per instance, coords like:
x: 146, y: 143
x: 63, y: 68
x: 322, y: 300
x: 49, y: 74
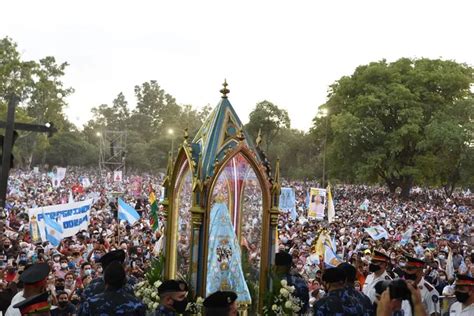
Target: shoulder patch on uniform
x: 429, y: 286
x: 435, y: 298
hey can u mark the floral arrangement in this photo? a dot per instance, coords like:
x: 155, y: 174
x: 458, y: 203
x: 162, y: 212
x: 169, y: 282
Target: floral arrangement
x: 147, y: 290
x: 282, y: 301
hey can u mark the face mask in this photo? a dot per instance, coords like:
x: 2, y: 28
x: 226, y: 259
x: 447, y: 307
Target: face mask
x: 441, y: 257
x: 62, y: 304
x: 69, y: 283
x: 180, y: 306
x: 461, y: 296
x: 64, y: 265
x: 374, y: 267
x: 75, y: 301
x: 56, y: 259
x: 99, y: 269
x: 60, y: 288
x: 87, y: 271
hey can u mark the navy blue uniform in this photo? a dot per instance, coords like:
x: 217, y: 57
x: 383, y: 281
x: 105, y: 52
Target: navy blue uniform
x: 112, y: 302
x: 163, y: 311
x: 339, y: 303
x: 97, y: 286
x: 363, y: 299
x: 301, y: 289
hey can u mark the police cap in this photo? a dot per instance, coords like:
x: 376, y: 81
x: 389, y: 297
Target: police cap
x: 35, y: 273
x: 220, y: 299
x: 115, y: 255
x: 172, y: 286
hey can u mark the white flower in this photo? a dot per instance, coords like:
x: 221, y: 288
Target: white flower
x: 199, y: 301
x: 288, y: 305
x: 284, y: 292
x: 153, y: 295
x: 274, y: 307
x: 157, y: 284
x: 284, y: 283
x: 291, y: 289
x: 155, y: 305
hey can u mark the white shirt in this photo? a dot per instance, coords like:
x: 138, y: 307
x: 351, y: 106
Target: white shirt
x: 429, y: 299
x: 457, y: 310
x: 369, y: 285
x: 15, y: 300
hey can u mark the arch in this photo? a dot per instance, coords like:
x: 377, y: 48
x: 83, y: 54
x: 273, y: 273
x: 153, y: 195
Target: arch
x: 265, y: 186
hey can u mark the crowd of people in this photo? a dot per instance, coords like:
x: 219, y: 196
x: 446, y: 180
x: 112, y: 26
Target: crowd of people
x: 439, y: 248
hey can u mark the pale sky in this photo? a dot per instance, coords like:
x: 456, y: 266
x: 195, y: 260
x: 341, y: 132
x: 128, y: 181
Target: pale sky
x: 287, y: 52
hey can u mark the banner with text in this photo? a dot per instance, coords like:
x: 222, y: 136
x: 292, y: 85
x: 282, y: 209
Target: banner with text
x: 73, y: 217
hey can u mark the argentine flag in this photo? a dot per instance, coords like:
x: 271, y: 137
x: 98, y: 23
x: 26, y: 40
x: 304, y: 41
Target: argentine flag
x: 53, y: 229
x: 127, y: 213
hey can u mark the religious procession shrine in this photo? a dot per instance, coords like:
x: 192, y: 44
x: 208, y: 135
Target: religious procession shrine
x: 221, y: 201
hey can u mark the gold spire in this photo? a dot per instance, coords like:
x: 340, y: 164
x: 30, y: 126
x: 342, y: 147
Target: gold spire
x: 258, y: 141
x: 186, y: 135
x: 224, y: 90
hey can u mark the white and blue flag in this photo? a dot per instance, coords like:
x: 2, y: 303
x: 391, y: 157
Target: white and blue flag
x: 53, y: 231
x: 127, y: 212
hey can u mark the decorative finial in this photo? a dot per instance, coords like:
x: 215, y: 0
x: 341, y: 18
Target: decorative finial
x: 186, y: 135
x: 224, y: 90
x: 259, y: 138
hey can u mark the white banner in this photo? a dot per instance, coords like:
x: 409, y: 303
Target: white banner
x: 61, y: 173
x: 72, y: 216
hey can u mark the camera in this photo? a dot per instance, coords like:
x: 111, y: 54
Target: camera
x: 398, y: 289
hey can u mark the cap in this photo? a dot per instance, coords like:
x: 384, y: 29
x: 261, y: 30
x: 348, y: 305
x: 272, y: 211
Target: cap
x: 333, y: 275
x: 283, y: 259
x: 34, y: 304
x: 115, y: 255
x: 414, y: 262
x: 34, y: 274
x: 380, y: 257
x: 172, y: 286
x: 220, y: 299
x: 464, y: 280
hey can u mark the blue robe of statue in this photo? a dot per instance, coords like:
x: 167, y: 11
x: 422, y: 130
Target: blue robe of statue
x: 224, y: 262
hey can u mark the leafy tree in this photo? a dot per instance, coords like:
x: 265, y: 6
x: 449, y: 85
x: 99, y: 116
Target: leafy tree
x: 39, y: 86
x: 70, y: 149
x: 384, y: 120
x: 269, y: 119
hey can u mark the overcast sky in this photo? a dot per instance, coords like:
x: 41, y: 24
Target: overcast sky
x: 287, y: 52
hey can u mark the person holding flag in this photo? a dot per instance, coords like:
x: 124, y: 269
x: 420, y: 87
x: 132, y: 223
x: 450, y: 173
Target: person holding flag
x: 127, y: 212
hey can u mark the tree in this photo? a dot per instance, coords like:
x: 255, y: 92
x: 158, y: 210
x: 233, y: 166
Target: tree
x: 70, y: 149
x: 384, y: 120
x: 269, y: 119
x: 39, y: 86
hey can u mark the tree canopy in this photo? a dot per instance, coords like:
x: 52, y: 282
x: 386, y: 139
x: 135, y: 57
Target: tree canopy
x: 397, y: 122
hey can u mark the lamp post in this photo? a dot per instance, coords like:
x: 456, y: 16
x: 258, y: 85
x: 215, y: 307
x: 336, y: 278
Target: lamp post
x: 171, y: 133
x: 323, y: 113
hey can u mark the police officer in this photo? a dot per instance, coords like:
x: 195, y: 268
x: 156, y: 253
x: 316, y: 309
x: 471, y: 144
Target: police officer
x: 97, y: 285
x: 350, y: 274
x: 413, y: 272
x: 34, y: 280
x: 221, y: 303
x: 283, y: 262
x: 464, y: 291
x: 113, y: 301
x: 36, y: 305
x: 173, y: 298
x: 378, y: 268
x: 337, y: 301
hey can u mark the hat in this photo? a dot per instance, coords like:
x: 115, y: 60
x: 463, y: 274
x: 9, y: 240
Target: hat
x: 380, y: 257
x: 220, y: 299
x: 116, y: 255
x: 464, y: 280
x: 413, y: 263
x: 34, y: 304
x: 34, y: 274
x: 334, y: 275
x: 172, y: 286
x: 283, y: 259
